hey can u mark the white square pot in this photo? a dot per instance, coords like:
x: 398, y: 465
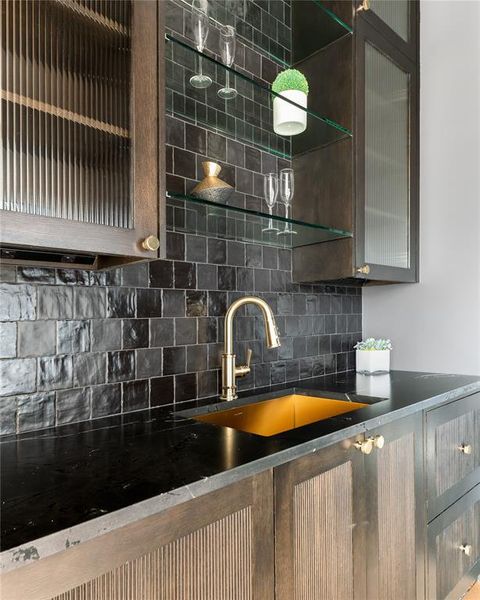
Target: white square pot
x: 373, y: 361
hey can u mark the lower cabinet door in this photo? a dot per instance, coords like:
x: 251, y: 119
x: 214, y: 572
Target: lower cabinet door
x: 320, y: 526
x: 395, y: 512
x: 214, y: 547
x: 454, y: 549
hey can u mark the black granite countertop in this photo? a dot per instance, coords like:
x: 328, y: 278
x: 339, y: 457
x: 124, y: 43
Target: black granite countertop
x: 68, y: 484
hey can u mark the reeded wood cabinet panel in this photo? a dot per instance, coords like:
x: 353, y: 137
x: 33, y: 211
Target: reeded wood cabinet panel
x: 351, y: 525
x: 320, y: 526
x: 396, y: 516
x: 215, y: 547
x: 82, y: 131
x: 453, y: 452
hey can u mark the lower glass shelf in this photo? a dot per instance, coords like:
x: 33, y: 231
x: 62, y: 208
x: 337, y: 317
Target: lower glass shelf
x: 194, y: 215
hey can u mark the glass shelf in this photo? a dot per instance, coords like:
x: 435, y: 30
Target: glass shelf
x: 194, y: 215
x: 253, y: 23
x: 319, y: 27
x: 249, y: 116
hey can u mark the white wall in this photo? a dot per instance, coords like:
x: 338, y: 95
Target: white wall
x: 435, y: 325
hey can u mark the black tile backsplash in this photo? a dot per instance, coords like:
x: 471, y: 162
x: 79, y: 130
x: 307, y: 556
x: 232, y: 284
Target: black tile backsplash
x: 76, y: 345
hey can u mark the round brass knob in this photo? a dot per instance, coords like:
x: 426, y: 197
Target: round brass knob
x: 466, y: 549
x: 151, y: 243
x: 365, y: 5
x: 365, y: 270
x: 465, y: 448
x: 379, y: 441
x: 365, y: 447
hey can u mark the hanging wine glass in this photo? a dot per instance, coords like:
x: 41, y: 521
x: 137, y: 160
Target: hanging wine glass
x: 286, y: 196
x: 227, y: 52
x: 200, y: 32
x: 270, y: 192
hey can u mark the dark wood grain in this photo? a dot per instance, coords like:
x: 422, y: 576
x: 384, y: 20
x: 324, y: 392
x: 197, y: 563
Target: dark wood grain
x: 320, y: 526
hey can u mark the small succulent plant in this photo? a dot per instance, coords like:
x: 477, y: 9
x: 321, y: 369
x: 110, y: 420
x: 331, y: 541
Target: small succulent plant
x: 290, y: 79
x: 373, y: 344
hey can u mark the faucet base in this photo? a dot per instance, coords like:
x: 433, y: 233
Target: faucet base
x: 229, y: 388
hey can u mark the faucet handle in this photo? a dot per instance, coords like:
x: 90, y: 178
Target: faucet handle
x: 244, y: 369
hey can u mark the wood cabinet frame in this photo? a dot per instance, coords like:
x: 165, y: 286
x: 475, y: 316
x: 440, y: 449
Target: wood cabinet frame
x: 147, y: 179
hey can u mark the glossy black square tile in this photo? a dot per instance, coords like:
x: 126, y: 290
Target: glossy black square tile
x: 161, y: 274
x: 73, y: 405
x: 185, y: 387
x: 8, y: 415
x: 135, y: 395
x: 89, y: 302
x: 89, y: 369
x: 196, y: 248
x: 149, y: 362
x: 135, y: 275
x: 55, y: 372
x: 174, y: 360
x: 227, y: 278
x: 185, y: 331
x: 106, y: 399
x: 73, y: 337
x: 35, y: 412
x: 106, y: 334
x: 17, y: 376
x: 17, y: 302
x: 161, y: 332
x: 36, y: 338
x: 121, y: 365
x: 35, y: 275
x: 149, y: 303
x: 121, y: 302
x: 8, y: 339
x: 174, y: 303
x: 207, y: 277
x: 217, y: 251
x: 197, y: 358
x: 185, y: 275
x: 162, y: 391
x: 175, y: 246
x: 135, y: 333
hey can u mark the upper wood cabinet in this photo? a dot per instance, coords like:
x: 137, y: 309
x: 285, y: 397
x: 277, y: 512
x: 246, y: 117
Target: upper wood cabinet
x: 81, y: 142
x: 351, y: 525
x: 368, y: 184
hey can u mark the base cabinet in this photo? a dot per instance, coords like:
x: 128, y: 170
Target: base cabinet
x: 349, y: 524
x: 215, y: 547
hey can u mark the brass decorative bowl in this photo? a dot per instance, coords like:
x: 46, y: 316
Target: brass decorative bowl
x: 211, y: 187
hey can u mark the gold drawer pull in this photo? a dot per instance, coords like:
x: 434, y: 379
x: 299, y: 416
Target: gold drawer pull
x: 365, y: 270
x: 465, y: 448
x: 466, y: 549
x: 367, y: 445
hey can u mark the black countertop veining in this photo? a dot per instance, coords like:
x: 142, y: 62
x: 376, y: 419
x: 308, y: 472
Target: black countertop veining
x: 58, y: 479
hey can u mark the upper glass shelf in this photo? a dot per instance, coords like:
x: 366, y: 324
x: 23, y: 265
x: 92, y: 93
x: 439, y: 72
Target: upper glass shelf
x: 248, y: 117
x: 265, y: 27
x: 203, y: 217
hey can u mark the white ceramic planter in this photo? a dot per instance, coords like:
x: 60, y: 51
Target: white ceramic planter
x: 373, y: 361
x: 287, y: 118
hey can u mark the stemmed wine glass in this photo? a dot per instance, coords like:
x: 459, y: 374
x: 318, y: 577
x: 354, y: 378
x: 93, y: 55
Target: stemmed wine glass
x: 286, y: 196
x: 227, y: 51
x: 200, y: 33
x: 270, y: 191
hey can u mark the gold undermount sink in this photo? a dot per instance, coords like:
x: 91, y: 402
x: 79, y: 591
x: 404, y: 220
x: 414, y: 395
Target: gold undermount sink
x: 277, y: 415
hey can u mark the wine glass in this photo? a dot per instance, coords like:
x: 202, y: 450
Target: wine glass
x: 270, y: 192
x: 200, y: 33
x: 227, y: 51
x: 286, y: 196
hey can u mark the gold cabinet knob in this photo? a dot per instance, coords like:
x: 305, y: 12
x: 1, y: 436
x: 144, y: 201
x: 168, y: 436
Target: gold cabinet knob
x: 365, y: 446
x: 151, y: 243
x: 365, y: 270
x: 466, y: 549
x: 465, y: 448
x: 378, y: 441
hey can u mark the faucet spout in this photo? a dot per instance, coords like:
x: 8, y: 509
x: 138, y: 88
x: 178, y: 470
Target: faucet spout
x: 229, y: 369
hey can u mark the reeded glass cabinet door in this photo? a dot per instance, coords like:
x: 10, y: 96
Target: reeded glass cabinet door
x: 387, y: 170
x: 79, y: 115
x: 387, y: 198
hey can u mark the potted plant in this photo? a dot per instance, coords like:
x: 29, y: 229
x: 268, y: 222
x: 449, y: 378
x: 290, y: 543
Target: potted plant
x: 373, y: 356
x: 289, y: 119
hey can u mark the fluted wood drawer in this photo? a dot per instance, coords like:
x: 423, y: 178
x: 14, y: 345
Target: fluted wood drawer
x: 454, y: 548
x: 453, y: 452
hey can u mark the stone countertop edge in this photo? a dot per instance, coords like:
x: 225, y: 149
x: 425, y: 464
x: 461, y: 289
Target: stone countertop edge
x: 57, y: 542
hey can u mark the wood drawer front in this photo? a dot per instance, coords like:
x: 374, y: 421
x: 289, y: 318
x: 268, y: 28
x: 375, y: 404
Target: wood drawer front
x: 451, y: 472
x: 451, y: 570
